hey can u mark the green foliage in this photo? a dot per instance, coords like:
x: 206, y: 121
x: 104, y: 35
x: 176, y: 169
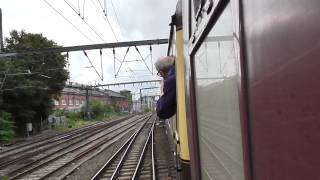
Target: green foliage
x: 73, y: 115
x: 72, y: 123
x: 6, y: 126
x: 97, y: 108
x: 100, y: 110
x: 147, y: 110
x: 59, y: 112
x: 28, y: 91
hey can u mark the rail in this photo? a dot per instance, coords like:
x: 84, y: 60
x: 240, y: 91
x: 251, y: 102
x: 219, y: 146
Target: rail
x: 143, y: 152
x: 125, y: 146
x: 128, y: 159
x: 42, y: 164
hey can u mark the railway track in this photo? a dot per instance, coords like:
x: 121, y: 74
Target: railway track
x: 127, y: 146
x: 42, y: 165
x: 134, y: 160
x: 32, y: 144
x: 29, y: 149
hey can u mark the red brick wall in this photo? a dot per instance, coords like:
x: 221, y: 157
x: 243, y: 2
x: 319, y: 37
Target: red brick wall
x: 69, y: 101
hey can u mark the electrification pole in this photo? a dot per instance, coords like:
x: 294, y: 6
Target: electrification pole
x: 1, y: 36
x: 87, y: 115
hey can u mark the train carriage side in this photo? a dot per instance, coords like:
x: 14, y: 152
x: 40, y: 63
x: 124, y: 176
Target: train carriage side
x: 252, y: 97
x: 178, y: 123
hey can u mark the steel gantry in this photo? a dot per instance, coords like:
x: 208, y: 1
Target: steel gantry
x: 85, y: 47
x: 125, y: 83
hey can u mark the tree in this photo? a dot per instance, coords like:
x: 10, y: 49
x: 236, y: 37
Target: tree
x: 6, y: 126
x: 30, y: 82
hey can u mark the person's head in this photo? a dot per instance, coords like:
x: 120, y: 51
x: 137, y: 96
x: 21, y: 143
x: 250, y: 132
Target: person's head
x: 163, y: 65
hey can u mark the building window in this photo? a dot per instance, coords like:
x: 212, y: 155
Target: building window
x: 70, y: 102
x: 77, y: 102
x: 63, y: 102
x: 82, y: 102
x: 56, y: 102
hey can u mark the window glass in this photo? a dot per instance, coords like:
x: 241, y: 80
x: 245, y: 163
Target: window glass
x: 216, y: 76
x: 70, y: 102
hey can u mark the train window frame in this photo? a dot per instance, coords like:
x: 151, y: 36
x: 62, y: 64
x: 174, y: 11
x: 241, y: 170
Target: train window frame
x: 198, y: 5
x: 200, y: 29
x: 203, y: 22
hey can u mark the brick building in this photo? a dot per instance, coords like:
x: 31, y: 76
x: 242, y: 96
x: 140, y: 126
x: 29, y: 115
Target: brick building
x: 74, y: 96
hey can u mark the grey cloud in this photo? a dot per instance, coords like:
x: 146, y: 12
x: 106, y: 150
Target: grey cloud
x: 145, y: 18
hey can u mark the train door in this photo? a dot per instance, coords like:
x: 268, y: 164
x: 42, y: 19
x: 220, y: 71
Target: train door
x: 215, y: 90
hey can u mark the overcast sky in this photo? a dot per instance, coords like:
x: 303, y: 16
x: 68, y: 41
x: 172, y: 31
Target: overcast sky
x: 130, y: 20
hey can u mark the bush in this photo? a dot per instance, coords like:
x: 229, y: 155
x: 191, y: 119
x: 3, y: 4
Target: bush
x: 99, y: 110
x: 6, y: 126
x: 72, y: 115
x: 59, y: 112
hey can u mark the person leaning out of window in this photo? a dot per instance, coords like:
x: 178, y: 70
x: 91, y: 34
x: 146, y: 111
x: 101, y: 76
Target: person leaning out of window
x: 166, y: 105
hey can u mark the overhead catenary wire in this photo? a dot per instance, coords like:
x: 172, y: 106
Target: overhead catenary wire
x: 137, y: 60
x: 67, y: 20
x: 51, y: 69
x: 114, y: 62
x: 83, y: 9
x: 72, y: 24
x: 79, y: 6
x: 71, y: 6
x: 79, y: 11
x: 92, y: 65
x: 117, y: 19
x: 83, y: 19
x: 113, y: 32
x: 143, y: 59
x: 25, y: 87
x: 122, y: 61
x: 105, y: 18
x: 115, y: 13
x: 103, y: 8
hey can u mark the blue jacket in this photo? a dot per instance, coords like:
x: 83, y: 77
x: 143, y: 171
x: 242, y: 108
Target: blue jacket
x: 167, y: 105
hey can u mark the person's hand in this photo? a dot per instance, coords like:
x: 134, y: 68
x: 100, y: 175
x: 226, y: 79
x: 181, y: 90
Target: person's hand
x: 161, y: 87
